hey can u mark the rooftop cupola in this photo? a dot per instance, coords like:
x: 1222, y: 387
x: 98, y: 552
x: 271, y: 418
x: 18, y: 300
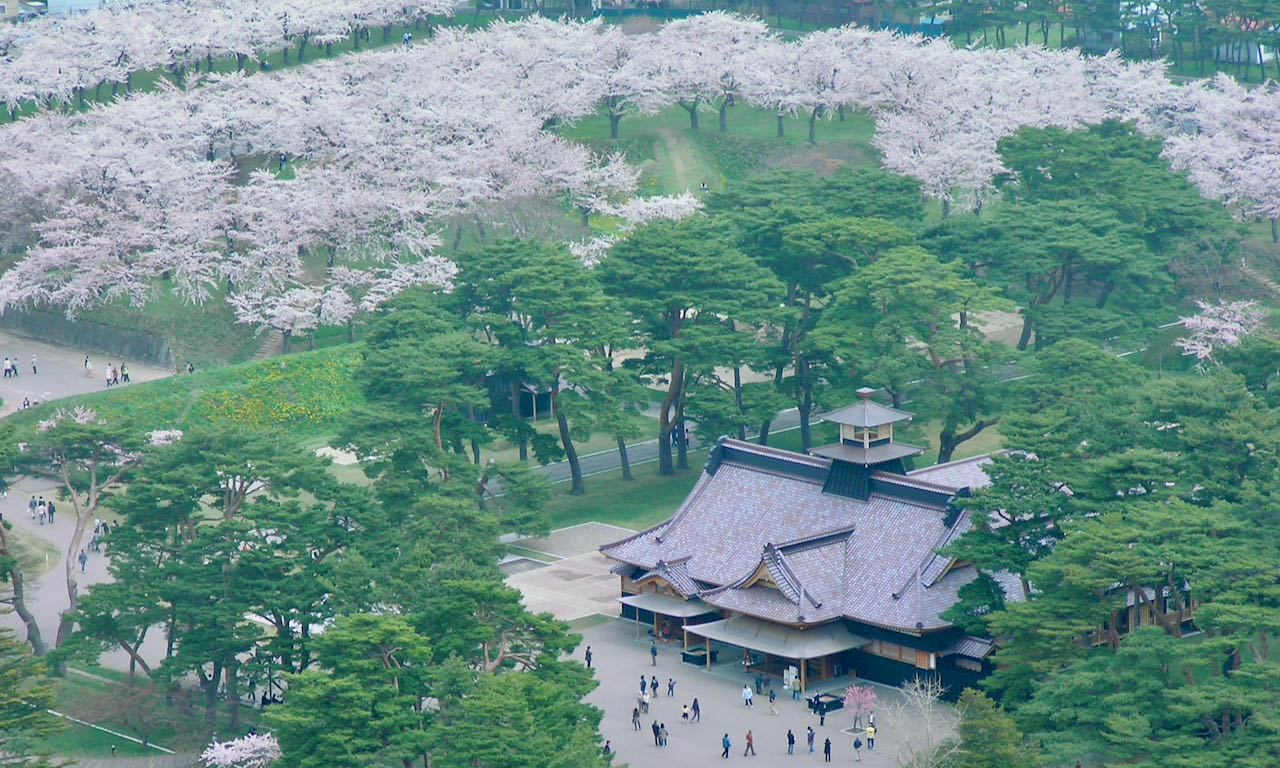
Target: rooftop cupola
x: 866, y: 445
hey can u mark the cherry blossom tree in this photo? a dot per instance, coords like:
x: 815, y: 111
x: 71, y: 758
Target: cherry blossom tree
x: 1224, y: 324
x: 860, y: 700
x: 703, y: 60
x: 257, y: 750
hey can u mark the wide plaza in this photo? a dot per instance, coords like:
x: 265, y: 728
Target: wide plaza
x: 579, y: 588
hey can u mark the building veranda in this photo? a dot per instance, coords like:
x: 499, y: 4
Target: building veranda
x: 807, y: 567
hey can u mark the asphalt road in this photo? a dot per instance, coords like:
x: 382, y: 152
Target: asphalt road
x: 643, y: 453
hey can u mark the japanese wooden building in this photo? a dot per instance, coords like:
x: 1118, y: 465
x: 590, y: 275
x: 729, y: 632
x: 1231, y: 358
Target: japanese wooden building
x: 823, y: 563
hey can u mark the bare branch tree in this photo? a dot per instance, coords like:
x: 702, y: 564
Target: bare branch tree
x: 922, y: 725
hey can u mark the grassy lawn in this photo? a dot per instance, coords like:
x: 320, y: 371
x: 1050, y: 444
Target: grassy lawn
x: 35, y: 554
x: 82, y: 741
x: 303, y: 394
x: 675, y: 158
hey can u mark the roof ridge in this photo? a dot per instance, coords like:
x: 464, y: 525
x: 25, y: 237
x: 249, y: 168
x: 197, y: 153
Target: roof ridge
x: 955, y: 462
x: 911, y: 482
x: 819, y: 539
x: 768, y: 450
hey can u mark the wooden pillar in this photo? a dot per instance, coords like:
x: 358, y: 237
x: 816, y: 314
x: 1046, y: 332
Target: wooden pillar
x: 708, y: 654
x: 804, y: 667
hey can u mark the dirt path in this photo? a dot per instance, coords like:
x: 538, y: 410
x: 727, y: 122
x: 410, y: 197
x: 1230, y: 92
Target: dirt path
x: 688, y: 170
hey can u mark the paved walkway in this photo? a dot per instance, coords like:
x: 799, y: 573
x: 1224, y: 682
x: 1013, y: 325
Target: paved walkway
x: 47, y: 593
x: 60, y: 372
x: 619, y: 659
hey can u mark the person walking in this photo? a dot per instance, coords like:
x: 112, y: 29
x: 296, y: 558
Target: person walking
x: 84, y: 560
x: 759, y: 683
x: 697, y: 711
x: 857, y: 749
x: 791, y: 742
x: 809, y: 737
x: 653, y: 686
x: 746, y: 696
x: 49, y: 507
x: 88, y: 367
x: 34, y: 371
x: 608, y: 748
x: 751, y: 745
x: 773, y: 702
x: 657, y: 734
x: 635, y: 718
x: 684, y: 714
x: 662, y: 734
x: 671, y: 687
x: 653, y: 652
x: 31, y: 505
x: 724, y: 742
x: 871, y: 737
x: 644, y: 684
x: 124, y: 372
x: 587, y: 655
x: 826, y: 751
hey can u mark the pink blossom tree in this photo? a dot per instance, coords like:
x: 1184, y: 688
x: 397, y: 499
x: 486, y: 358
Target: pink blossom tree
x: 1224, y: 324
x: 257, y: 750
x: 860, y: 700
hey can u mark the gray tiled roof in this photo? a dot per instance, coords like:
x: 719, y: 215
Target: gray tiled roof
x: 964, y: 473
x: 973, y: 647
x: 871, y: 561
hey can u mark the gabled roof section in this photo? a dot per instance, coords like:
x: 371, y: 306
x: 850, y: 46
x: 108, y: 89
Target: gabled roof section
x: 674, y: 574
x: 964, y: 473
x: 865, y: 413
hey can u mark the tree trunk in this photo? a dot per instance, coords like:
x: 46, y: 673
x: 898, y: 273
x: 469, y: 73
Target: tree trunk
x: 624, y: 461
x: 813, y: 124
x: 233, y: 697
x: 666, y: 425
x: 692, y: 109
x: 806, y: 429
x: 781, y: 131
x: 570, y: 453
x: 210, y: 685
x: 614, y: 119
x: 1025, y: 338
x: 288, y: 336
x: 737, y: 400
x: 724, y: 114
x: 522, y: 443
x: 20, y: 602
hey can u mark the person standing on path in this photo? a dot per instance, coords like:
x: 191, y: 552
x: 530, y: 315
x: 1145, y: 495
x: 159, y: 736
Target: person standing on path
x: 653, y: 686
x: 50, y: 508
x: 826, y: 751
x: 657, y: 734
x: 791, y: 742
x: 751, y: 745
x: 684, y: 714
x: 759, y: 683
x: 662, y: 734
x: 588, y: 657
x: 724, y: 742
x: 124, y: 372
x: 644, y: 684
x: 88, y: 368
x: 746, y: 696
x: 871, y: 737
x: 31, y: 505
x: 653, y: 652
x: 773, y: 702
x: 635, y: 718
x: 809, y: 737
x: 697, y: 711
x: 34, y: 371
x: 857, y: 749
x: 671, y: 687
x: 84, y: 560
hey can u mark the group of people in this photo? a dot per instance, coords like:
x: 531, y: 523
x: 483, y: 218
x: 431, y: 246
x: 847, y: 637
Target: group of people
x: 11, y: 367
x: 41, y: 510
x: 115, y: 374
x: 691, y: 713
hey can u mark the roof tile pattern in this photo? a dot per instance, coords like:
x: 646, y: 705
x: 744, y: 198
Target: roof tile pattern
x: 880, y: 569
